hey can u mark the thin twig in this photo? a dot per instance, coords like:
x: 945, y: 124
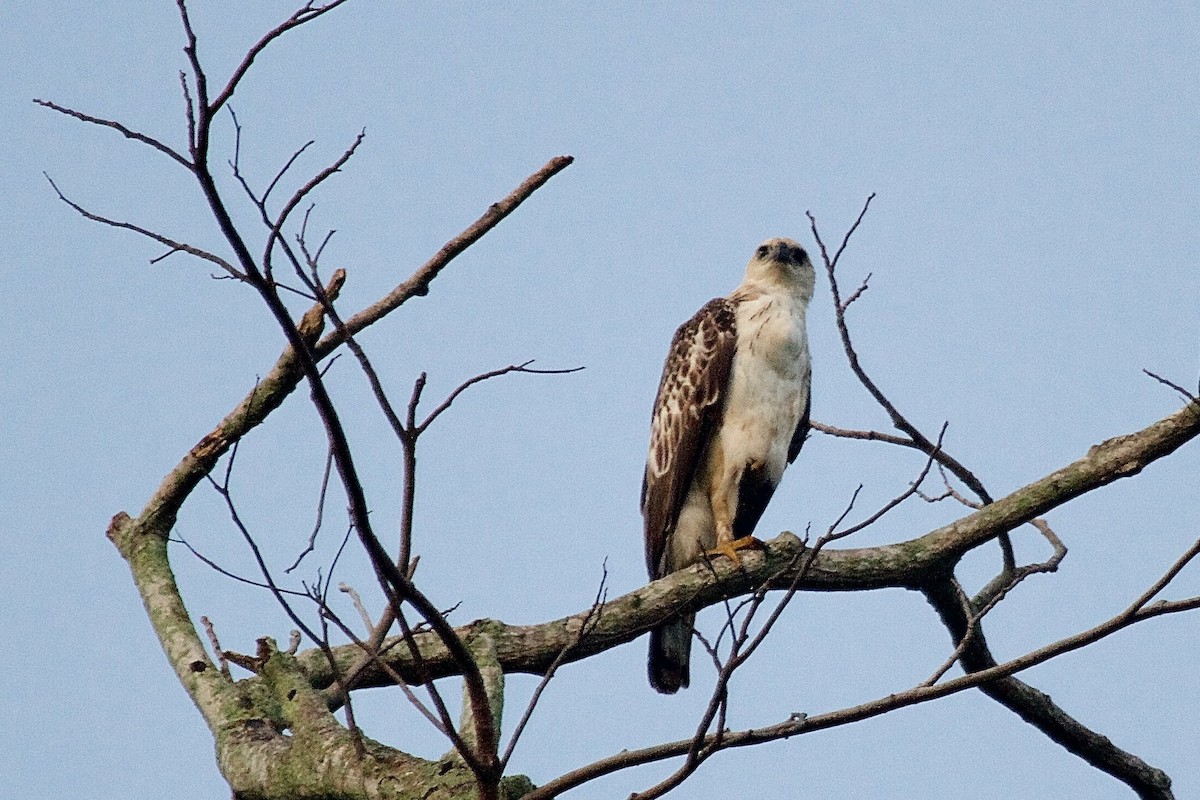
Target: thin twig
x: 216, y: 646
x: 879, y: 436
x: 358, y: 604
x: 1006, y: 581
x: 117, y: 126
x: 312, y: 537
x: 297, y: 198
x: 1138, y: 608
x: 174, y: 246
x: 996, y: 590
x: 417, y: 285
x: 373, y: 655
x: 305, y: 13
x: 521, y: 368
x: 913, y: 488
x: 898, y: 419
x: 586, y: 627
x: 1184, y: 393
x: 189, y: 110
x: 226, y: 572
x: 857, y: 293
x: 284, y: 169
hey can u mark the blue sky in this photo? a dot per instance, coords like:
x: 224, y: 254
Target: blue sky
x: 1033, y: 247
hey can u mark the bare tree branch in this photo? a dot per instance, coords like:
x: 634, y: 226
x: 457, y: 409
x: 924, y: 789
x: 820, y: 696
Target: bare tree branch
x: 312, y: 537
x: 295, y: 200
x: 395, y: 584
x: 1035, y: 707
x: 418, y: 284
x: 1149, y: 782
x: 913, y: 489
x: 522, y: 368
x: 305, y: 13
x: 902, y: 424
x: 999, y: 587
x: 1184, y: 393
x: 746, y: 641
x: 373, y: 656
x: 870, y: 436
x: 216, y: 646
x: 117, y: 126
x: 175, y: 246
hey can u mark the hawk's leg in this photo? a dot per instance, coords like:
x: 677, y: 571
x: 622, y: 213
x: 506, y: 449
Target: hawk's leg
x: 728, y: 544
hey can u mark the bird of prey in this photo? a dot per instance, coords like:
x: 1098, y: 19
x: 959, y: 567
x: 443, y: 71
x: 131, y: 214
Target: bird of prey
x: 732, y: 412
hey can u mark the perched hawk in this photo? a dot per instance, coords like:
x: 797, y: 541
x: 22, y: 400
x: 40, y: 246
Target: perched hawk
x: 731, y: 414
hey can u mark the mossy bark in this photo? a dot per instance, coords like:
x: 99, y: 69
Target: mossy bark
x: 274, y: 734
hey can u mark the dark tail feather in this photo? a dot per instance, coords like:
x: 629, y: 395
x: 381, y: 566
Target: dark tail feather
x: 670, y: 653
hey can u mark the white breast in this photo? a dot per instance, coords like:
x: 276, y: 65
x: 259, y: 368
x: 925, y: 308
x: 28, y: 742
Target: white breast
x: 769, y: 384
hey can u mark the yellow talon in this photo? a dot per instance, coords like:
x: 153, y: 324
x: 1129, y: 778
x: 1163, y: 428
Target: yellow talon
x: 731, y: 547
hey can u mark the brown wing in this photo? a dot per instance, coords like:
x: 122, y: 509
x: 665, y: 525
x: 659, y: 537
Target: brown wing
x: 689, y: 405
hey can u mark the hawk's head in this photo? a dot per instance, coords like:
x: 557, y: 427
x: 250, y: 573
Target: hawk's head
x: 783, y: 262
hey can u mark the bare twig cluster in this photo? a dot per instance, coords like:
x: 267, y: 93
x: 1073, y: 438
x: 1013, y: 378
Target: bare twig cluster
x: 301, y: 361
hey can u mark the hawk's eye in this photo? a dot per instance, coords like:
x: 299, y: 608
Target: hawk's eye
x: 801, y: 255
x: 762, y: 251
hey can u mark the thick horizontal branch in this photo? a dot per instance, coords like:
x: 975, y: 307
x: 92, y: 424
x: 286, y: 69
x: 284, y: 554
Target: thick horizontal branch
x: 911, y: 564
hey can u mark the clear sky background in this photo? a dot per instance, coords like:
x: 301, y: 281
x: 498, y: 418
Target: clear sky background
x: 1033, y: 245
